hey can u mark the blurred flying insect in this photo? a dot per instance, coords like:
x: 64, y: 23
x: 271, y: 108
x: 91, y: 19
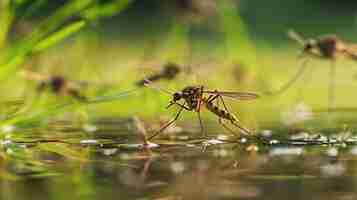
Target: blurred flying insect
x: 193, y: 98
x: 59, y: 85
x: 168, y: 72
x: 326, y: 47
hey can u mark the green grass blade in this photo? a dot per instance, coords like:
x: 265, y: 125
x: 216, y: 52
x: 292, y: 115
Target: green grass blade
x: 59, y: 36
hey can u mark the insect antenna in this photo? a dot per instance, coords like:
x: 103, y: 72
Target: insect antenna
x: 296, y: 37
x: 30, y: 75
x: 150, y: 84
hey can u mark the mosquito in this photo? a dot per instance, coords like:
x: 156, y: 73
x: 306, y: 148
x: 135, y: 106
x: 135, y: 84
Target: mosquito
x: 59, y: 85
x: 327, y: 47
x: 169, y: 72
x: 193, y: 98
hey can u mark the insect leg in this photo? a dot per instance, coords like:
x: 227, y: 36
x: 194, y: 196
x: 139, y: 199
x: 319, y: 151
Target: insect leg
x: 220, y: 118
x: 212, y: 98
x: 167, y: 124
x: 198, y: 110
x: 236, y: 122
x: 226, y: 127
x: 201, y: 124
x: 331, y: 89
x: 287, y: 85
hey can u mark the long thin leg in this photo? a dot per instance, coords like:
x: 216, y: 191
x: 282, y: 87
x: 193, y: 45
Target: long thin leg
x: 212, y: 98
x: 201, y: 124
x: 198, y: 110
x: 226, y: 127
x: 236, y: 123
x: 220, y: 118
x: 331, y: 89
x: 224, y: 104
x: 287, y: 85
x: 242, y: 128
x: 306, y: 80
x: 167, y: 124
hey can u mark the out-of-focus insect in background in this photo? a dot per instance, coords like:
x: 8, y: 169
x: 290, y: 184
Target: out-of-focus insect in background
x: 95, y: 99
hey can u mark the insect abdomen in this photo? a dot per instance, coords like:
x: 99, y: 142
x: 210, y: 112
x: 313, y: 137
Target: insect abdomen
x: 219, y: 112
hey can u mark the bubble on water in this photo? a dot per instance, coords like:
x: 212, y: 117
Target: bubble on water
x: 183, y: 137
x: 177, y: 167
x: 266, y: 133
x: 300, y: 136
x: 109, y: 152
x: 89, y: 141
x: 222, y: 137
x: 148, y: 145
x: 351, y: 140
x: 151, y: 145
x: 274, y: 142
x: 243, y: 140
x: 279, y: 151
x: 212, y: 142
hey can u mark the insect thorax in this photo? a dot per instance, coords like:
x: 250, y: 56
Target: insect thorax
x: 191, y: 95
x: 57, y: 83
x: 328, y: 46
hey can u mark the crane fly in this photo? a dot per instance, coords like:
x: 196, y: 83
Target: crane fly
x: 59, y: 85
x: 326, y: 47
x: 168, y: 72
x: 193, y: 98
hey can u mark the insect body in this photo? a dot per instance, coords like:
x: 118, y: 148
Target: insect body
x: 57, y: 84
x: 327, y: 47
x: 169, y: 72
x: 193, y: 98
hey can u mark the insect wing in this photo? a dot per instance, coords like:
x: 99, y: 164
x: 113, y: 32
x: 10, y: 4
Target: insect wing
x: 236, y: 95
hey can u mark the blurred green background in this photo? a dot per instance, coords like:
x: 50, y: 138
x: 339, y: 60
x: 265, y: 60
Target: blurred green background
x: 230, y: 45
x: 56, y: 147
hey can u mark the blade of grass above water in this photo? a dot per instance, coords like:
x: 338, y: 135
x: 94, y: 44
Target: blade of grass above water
x: 28, y: 119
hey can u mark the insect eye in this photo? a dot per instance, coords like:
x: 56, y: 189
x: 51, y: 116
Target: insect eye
x: 310, y: 44
x: 177, y: 96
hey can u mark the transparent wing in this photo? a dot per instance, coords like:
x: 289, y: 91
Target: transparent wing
x: 296, y: 37
x: 34, y: 76
x: 235, y: 95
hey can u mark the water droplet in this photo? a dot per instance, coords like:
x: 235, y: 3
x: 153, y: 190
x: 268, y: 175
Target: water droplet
x: 279, y: 151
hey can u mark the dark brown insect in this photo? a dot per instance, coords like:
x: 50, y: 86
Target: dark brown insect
x: 326, y: 47
x: 194, y: 8
x: 56, y: 84
x: 193, y: 98
x: 169, y: 72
